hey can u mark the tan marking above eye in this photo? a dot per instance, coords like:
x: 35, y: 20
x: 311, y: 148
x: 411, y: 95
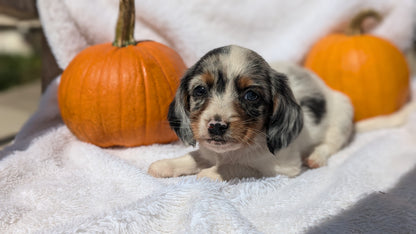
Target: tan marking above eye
x: 208, y: 78
x: 244, y: 82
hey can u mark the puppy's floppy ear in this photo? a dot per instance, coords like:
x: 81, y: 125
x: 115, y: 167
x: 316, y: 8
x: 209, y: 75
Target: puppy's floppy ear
x: 178, y: 115
x: 286, y: 120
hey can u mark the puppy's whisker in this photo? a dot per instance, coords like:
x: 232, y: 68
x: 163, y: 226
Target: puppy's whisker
x: 257, y: 131
x: 249, y: 142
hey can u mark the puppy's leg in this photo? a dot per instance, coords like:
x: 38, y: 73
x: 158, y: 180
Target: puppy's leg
x: 211, y: 173
x: 338, y: 133
x: 229, y: 171
x: 288, y: 163
x: 188, y: 164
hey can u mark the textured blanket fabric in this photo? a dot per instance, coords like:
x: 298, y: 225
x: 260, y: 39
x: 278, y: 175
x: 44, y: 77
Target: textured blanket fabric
x: 51, y: 183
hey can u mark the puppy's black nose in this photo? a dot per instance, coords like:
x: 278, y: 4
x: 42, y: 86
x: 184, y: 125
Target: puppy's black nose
x: 217, y: 128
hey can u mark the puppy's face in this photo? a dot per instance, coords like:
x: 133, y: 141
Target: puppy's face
x: 229, y: 99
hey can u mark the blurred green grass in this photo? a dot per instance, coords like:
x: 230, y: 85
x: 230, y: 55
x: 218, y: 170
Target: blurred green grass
x: 18, y: 69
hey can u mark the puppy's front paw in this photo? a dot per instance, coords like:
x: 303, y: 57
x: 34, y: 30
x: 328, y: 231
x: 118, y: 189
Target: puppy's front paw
x: 315, y: 160
x: 209, y: 173
x: 319, y: 157
x: 161, y: 169
x: 312, y: 163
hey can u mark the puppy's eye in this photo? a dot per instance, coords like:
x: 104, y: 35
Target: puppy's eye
x: 251, y: 96
x: 199, y: 91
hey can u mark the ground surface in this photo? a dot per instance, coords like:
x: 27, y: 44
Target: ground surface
x: 17, y: 104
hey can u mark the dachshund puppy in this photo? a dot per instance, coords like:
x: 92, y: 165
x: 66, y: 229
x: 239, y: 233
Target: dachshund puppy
x: 252, y: 120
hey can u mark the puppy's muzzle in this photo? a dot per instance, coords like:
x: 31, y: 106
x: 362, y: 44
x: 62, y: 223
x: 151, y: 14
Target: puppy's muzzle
x: 217, y: 128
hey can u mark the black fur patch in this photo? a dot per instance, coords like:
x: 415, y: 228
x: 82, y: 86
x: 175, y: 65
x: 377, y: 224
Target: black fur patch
x: 179, y: 109
x: 316, y: 105
x: 176, y: 120
x: 286, y: 120
x: 198, y: 104
x: 221, y: 82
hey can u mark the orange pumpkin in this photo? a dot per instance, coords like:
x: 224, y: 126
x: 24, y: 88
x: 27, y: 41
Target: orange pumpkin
x: 118, y: 95
x: 369, y: 69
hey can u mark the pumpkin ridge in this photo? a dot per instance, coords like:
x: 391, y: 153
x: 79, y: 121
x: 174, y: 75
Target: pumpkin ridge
x: 331, y: 56
x: 70, y: 82
x: 156, y: 87
x: 345, y: 72
x: 129, y: 115
x: 320, y: 67
x: 332, y: 41
x: 390, y: 90
x: 139, y: 77
x: 102, y: 104
x: 84, y: 131
x: 120, y: 92
x: 145, y: 86
x: 125, y: 97
x: 166, y: 74
x: 396, y: 89
x: 167, y: 80
x: 175, y: 68
x: 327, y: 67
x: 98, y: 96
x: 363, y: 73
x: 357, y: 64
x: 374, y: 48
x: 349, y: 70
x: 314, y: 63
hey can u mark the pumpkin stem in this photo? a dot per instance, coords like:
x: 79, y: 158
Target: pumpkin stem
x: 364, y: 22
x: 125, y: 24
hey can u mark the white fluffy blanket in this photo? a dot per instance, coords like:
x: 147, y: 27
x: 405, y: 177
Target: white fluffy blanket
x: 51, y: 183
